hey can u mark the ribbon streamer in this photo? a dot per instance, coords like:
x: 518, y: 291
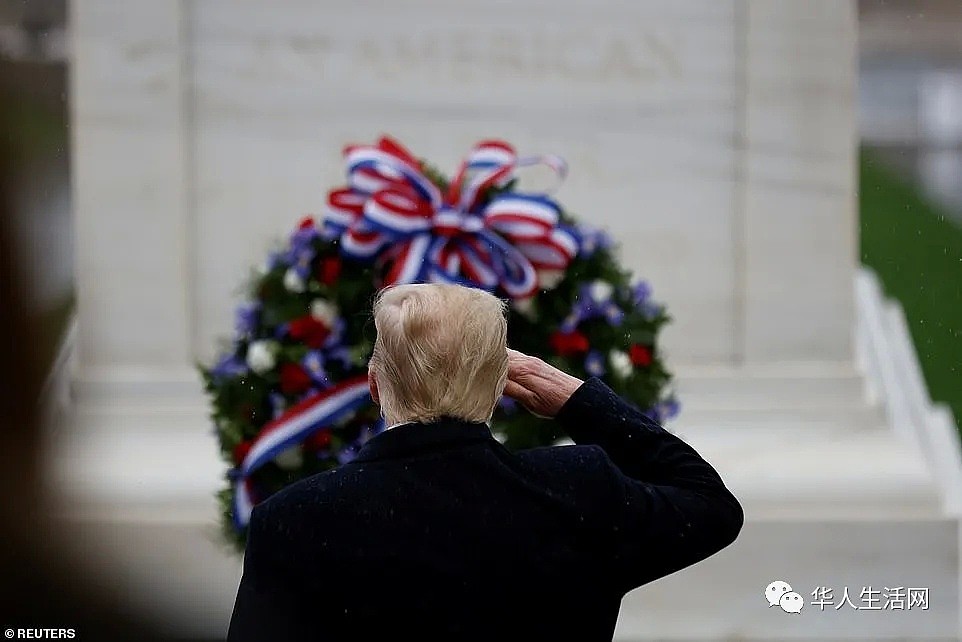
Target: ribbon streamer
x: 291, y: 428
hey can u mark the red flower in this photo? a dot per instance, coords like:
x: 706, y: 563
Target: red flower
x: 569, y: 343
x: 328, y: 270
x: 306, y: 223
x: 308, y: 330
x: 640, y: 355
x: 318, y: 440
x: 294, y: 379
x: 241, y: 450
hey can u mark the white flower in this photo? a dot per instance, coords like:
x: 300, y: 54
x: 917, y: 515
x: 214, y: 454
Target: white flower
x: 260, y: 356
x: 620, y: 363
x: 324, y: 311
x: 291, y: 458
x: 601, y: 290
x: 293, y: 281
x: 525, y: 307
x: 549, y: 279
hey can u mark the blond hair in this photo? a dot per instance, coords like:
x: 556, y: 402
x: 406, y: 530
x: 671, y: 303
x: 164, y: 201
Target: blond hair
x: 440, y: 352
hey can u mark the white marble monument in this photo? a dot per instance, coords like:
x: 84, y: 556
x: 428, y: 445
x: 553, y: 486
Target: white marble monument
x: 714, y: 139
x: 720, y: 156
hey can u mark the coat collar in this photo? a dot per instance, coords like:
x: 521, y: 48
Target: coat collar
x: 416, y: 438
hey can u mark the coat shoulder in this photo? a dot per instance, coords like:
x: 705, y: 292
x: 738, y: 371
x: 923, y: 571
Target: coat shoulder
x: 587, y: 458
x: 296, y: 496
x: 586, y: 467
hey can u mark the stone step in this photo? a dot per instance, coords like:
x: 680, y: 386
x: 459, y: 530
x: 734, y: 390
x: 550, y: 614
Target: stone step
x: 130, y: 459
x: 722, y: 598
x: 831, y: 496
x: 805, y: 471
x: 778, y: 466
x: 845, y: 418
x: 183, y: 575
x: 789, y: 386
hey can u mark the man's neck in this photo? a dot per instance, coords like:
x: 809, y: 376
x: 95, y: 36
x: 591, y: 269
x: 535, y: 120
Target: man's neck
x: 394, y: 423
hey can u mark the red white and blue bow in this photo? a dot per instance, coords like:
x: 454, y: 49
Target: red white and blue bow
x: 392, y: 212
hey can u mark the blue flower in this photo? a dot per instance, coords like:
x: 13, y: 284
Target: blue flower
x: 669, y: 408
x: 590, y: 240
x: 605, y: 241
x: 228, y: 367
x: 274, y: 259
x: 299, y: 253
x: 342, y: 355
x: 570, y: 323
x: 640, y: 293
x: 303, y: 237
x: 281, y: 330
x: 347, y: 454
x: 301, y: 250
x: 313, y: 362
x: 278, y: 404
x: 303, y: 268
x: 368, y: 430
x: 593, y: 300
x: 613, y: 313
x: 664, y: 410
x: 584, y: 303
x: 336, y: 336
x: 595, y: 363
x: 650, y: 309
x: 246, y: 318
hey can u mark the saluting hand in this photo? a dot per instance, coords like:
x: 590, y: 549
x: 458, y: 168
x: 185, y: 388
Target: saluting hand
x: 539, y: 387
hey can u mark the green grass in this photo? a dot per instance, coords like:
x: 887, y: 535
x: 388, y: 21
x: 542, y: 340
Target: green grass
x: 917, y: 252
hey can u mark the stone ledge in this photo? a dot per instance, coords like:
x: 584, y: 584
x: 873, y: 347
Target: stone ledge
x: 187, y: 578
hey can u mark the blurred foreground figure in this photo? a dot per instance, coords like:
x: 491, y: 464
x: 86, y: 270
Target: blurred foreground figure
x: 436, y: 531
x: 45, y: 592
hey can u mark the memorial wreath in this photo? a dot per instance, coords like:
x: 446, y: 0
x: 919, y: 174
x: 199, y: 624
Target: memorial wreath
x: 289, y: 392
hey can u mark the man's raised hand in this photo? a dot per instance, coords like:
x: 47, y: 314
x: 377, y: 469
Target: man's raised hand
x: 539, y: 387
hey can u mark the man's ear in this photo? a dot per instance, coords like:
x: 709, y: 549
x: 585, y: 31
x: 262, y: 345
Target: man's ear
x: 372, y: 384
